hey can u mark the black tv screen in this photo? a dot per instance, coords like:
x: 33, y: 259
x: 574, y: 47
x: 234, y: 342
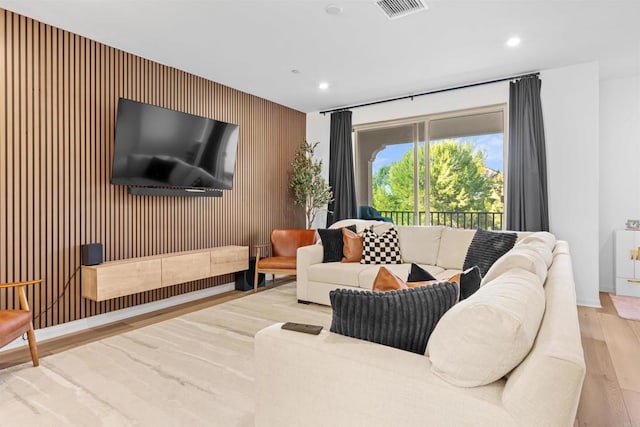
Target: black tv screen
x: 157, y: 147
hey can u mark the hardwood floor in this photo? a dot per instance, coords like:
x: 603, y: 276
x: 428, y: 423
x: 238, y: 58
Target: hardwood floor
x: 611, y: 391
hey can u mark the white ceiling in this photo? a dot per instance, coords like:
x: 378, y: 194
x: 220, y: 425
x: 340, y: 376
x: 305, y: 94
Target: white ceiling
x: 252, y: 45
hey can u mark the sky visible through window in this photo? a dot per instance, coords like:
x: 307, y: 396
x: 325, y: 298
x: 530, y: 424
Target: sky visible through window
x: 491, y: 144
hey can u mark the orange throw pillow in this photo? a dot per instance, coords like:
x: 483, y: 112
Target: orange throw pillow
x: 387, y: 281
x: 351, y: 246
x: 455, y: 278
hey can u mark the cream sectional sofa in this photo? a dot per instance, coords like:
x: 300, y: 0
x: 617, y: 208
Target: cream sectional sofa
x: 509, y: 355
x: 439, y: 250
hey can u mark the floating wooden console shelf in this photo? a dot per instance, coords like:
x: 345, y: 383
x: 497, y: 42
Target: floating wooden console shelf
x: 129, y: 276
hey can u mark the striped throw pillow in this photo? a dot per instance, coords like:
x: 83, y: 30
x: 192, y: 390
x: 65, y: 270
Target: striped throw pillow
x: 403, y: 319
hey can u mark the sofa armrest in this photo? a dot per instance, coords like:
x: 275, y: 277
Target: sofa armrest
x: 306, y: 257
x: 330, y: 379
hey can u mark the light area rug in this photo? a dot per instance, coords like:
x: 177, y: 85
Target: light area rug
x: 627, y: 307
x: 193, y: 370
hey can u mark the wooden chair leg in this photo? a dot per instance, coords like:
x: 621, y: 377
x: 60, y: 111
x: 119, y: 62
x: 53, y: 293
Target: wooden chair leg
x: 255, y: 282
x: 33, y: 347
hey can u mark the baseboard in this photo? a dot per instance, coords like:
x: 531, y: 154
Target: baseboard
x: 606, y: 287
x: 589, y: 303
x: 115, y: 316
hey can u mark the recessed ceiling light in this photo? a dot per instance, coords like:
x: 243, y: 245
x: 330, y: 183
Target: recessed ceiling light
x: 323, y: 86
x: 513, y: 41
x: 332, y: 9
x: 295, y: 71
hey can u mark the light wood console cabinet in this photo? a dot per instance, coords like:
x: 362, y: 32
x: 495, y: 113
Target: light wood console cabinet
x: 129, y: 276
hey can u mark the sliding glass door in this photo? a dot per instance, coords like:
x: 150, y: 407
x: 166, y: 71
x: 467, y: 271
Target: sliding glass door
x: 390, y: 163
x: 458, y: 181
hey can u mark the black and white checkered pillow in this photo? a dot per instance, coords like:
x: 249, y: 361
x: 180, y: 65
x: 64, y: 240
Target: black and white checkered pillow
x: 383, y: 249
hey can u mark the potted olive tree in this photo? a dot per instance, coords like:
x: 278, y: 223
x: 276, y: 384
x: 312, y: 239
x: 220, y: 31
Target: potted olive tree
x: 310, y: 189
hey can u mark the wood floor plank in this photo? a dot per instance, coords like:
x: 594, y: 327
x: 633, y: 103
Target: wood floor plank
x: 632, y: 402
x: 601, y: 402
x: 635, y: 326
x: 604, y: 401
x: 597, y: 359
x: 624, y: 349
x: 607, y: 304
x: 590, y: 323
x: 594, y: 411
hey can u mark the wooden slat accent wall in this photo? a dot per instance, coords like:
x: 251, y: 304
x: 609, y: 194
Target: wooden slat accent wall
x: 58, y: 99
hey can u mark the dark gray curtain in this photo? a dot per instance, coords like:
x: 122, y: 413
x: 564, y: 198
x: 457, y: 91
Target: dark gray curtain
x: 341, y: 174
x: 527, y: 197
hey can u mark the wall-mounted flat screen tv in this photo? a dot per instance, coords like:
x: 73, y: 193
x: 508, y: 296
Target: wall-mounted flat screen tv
x: 157, y: 147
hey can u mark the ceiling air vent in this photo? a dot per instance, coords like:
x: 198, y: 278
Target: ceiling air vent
x: 399, y: 8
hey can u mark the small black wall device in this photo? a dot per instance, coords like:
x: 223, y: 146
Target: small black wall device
x: 91, y: 254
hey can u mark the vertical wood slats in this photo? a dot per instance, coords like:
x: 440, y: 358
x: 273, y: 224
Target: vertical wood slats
x: 58, y: 100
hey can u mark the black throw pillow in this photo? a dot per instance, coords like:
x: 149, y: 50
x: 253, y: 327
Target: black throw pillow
x: 403, y: 319
x: 332, y: 243
x: 418, y: 274
x: 486, y: 247
x: 469, y: 282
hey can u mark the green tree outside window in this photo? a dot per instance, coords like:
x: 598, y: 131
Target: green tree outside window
x: 459, y: 181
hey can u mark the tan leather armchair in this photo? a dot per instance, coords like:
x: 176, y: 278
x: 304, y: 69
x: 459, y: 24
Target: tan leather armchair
x: 284, y: 246
x: 14, y: 323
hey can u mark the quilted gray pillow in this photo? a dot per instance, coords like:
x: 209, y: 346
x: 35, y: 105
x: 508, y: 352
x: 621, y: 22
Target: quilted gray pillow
x: 486, y: 247
x: 403, y: 319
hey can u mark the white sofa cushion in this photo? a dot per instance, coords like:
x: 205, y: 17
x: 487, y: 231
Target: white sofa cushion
x: 525, y: 257
x: 542, y: 250
x: 419, y: 244
x: 453, y: 247
x: 543, y: 243
x: 541, y: 236
x: 333, y: 380
x: 339, y: 273
x: 484, y: 337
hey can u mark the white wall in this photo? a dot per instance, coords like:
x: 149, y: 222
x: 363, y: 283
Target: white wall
x: 318, y: 130
x: 570, y: 102
x: 619, y: 177
x: 570, y: 108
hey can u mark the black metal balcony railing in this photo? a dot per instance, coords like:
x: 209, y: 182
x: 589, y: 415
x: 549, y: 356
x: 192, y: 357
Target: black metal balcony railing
x: 485, y: 220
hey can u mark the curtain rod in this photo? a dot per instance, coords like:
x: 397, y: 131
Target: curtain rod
x: 431, y: 92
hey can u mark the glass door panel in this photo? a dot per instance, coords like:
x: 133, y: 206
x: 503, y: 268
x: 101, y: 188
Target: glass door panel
x: 392, y: 169
x: 457, y: 181
x: 466, y: 181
